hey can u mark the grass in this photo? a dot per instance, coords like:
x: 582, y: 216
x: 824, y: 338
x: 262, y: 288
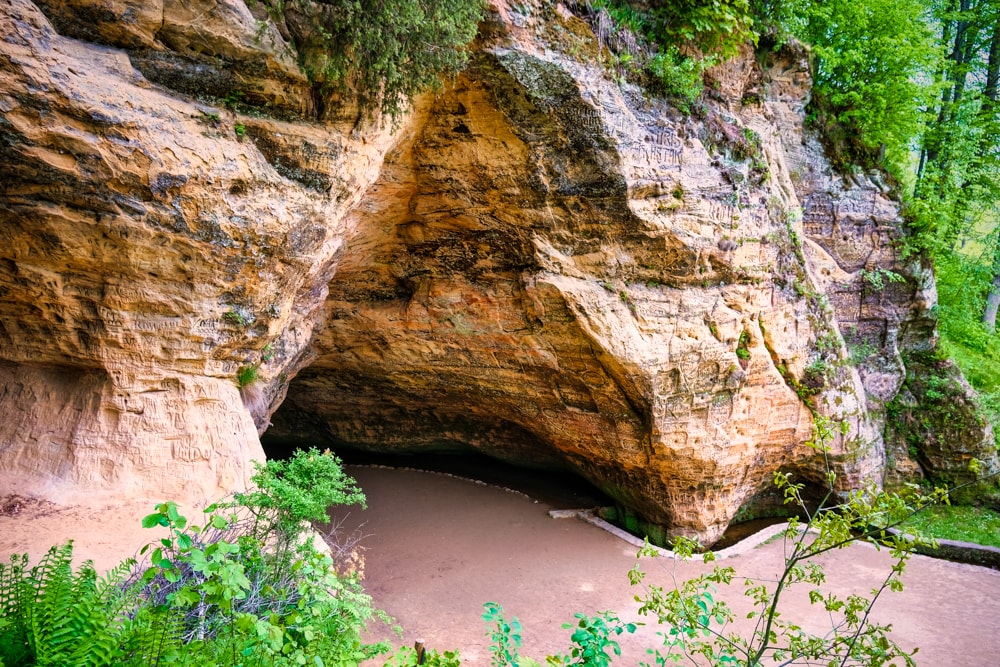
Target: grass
x: 954, y: 522
x: 982, y: 370
x: 246, y: 375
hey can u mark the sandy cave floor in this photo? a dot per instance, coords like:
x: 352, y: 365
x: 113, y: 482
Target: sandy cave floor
x: 437, y: 547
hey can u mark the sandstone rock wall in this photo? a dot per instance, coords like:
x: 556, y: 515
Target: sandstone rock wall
x: 538, y: 263
x: 152, y: 244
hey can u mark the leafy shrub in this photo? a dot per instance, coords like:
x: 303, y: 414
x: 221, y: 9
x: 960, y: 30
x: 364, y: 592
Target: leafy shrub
x: 870, y: 58
x: 289, y: 493
x: 249, y: 583
x: 505, y: 638
x: 676, y: 77
x: 698, y: 622
x: 778, y: 20
x: 698, y: 619
x: 720, y: 26
x: 247, y: 588
x: 385, y: 52
x: 649, y: 44
x: 592, y: 640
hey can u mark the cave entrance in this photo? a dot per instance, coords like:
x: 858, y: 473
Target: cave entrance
x: 558, y: 488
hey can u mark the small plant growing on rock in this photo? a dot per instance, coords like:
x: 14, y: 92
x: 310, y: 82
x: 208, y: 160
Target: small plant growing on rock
x: 246, y: 376
x: 878, y: 278
x: 743, y: 348
x: 240, y: 316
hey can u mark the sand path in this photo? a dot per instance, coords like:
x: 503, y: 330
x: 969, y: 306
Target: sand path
x: 438, y: 547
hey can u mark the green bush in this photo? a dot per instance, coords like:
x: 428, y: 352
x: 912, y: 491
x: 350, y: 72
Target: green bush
x: 870, y: 60
x: 382, y: 52
x: 676, y: 77
x: 247, y: 588
x: 697, y: 621
x: 287, y: 494
x: 667, y: 46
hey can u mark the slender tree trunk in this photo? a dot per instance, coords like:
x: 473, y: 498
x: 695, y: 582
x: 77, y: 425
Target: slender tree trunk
x: 988, y: 113
x: 932, y: 137
x: 992, y: 71
x: 993, y: 301
x: 966, y: 44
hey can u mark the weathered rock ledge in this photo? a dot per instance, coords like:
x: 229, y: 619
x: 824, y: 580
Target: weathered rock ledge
x: 538, y: 264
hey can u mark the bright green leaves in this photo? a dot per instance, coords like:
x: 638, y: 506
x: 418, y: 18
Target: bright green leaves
x: 593, y: 643
x: 592, y: 640
x: 658, y: 54
x: 715, y: 27
x: 505, y: 637
x: 242, y: 589
x: 53, y: 615
x: 166, y: 515
x: 408, y: 657
x: 871, y: 62
x: 382, y: 52
x: 699, y: 620
x: 297, y: 490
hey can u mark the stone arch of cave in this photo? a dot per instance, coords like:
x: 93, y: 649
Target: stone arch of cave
x: 318, y: 412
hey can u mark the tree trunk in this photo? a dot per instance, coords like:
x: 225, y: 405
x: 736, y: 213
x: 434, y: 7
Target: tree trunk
x: 992, y: 304
x: 992, y: 71
x: 928, y: 153
x: 988, y: 111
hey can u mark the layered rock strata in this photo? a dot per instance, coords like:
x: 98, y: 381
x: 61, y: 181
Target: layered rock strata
x: 539, y: 263
x: 154, y: 247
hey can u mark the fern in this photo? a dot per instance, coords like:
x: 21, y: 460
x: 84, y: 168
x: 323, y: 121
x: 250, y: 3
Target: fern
x: 154, y: 637
x: 53, y: 616
x: 14, y: 647
x: 99, y: 619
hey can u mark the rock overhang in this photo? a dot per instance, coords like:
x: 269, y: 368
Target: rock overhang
x: 538, y: 263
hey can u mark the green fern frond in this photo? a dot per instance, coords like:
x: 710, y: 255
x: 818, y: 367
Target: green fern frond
x: 48, y: 597
x: 153, y: 637
x: 51, y: 615
x: 103, y: 607
x: 14, y: 649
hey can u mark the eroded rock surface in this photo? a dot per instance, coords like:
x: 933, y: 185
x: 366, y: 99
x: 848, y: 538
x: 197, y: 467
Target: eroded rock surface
x: 538, y: 264
x: 149, y: 250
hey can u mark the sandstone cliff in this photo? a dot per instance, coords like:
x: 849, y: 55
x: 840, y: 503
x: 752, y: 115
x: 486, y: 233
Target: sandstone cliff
x: 539, y: 263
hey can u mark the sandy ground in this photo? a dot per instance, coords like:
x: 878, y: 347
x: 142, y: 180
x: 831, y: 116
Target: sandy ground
x: 438, y: 547
x: 105, y: 534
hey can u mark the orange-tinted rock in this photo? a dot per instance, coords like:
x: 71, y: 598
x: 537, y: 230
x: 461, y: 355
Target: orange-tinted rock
x: 538, y: 264
x: 149, y: 250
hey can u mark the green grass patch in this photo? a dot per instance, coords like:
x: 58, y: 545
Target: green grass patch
x: 954, y: 522
x: 982, y: 370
